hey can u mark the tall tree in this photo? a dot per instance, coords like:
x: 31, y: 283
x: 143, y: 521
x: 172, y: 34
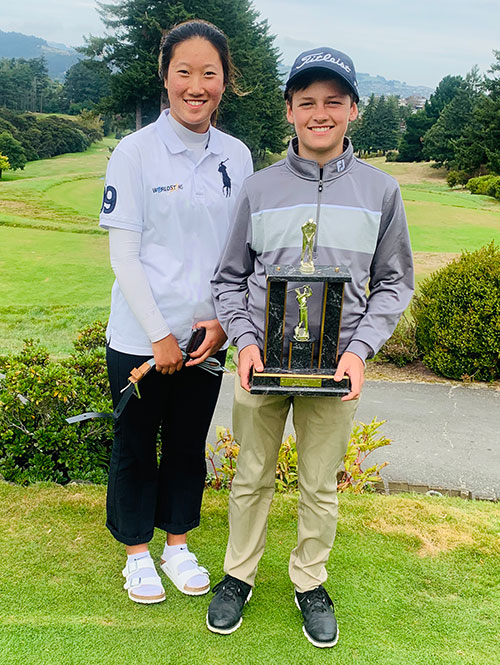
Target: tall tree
x: 411, y: 144
x: 23, y: 83
x: 440, y: 141
x: 130, y: 49
x: 478, y: 150
x: 364, y: 132
x: 387, y: 124
x: 446, y: 90
x: 378, y: 127
x: 86, y: 83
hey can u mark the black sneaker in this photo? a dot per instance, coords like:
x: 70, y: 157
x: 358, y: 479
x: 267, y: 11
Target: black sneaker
x: 224, y: 611
x: 320, y: 626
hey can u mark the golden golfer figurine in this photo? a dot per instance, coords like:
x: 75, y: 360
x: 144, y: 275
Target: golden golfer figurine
x: 301, y: 331
x: 306, y: 257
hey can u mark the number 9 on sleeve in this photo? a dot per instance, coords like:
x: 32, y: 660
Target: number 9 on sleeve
x: 108, y: 200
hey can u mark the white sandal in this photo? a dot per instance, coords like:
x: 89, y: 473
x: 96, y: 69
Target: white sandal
x: 135, y: 581
x: 171, y: 570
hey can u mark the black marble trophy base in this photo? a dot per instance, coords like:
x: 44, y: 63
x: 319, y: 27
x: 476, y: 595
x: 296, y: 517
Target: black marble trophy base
x: 301, y: 354
x: 289, y: 382
x: 301, y: 373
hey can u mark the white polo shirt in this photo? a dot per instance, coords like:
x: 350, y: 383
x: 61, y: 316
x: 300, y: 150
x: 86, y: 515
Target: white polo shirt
x: 182, y: 211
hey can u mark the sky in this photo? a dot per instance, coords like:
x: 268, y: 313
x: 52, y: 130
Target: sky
x: 417, y: 42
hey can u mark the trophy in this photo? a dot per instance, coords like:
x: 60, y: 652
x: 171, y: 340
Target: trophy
x: 311, y: 363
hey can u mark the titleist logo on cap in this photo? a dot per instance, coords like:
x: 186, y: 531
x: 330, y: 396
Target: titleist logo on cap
x: 320, y: 56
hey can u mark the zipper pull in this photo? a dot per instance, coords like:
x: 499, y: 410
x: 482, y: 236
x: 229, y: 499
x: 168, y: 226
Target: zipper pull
x: 320, y: 182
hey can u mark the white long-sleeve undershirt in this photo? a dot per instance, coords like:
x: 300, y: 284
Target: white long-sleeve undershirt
x: 124, y: 247
x: 195, y: 142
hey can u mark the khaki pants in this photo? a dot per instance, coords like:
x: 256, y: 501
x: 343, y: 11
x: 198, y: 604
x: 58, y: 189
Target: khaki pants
x: 322, y: 426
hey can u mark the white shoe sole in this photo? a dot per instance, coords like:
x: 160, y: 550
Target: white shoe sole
x: 228, y: 631
x: 187, y: 592
x: 145, y: 600
x: 321, y: 645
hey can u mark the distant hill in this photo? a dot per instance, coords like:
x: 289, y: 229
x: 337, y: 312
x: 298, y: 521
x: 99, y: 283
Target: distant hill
x: 378, y: 85
x: 58, y: 57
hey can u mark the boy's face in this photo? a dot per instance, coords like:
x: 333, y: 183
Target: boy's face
x: 320, y: 114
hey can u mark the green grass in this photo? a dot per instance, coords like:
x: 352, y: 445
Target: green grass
x: 84, y: 195
x: 47, y: 268
x: 53, y: 284
x: 54, y: 267
x: 80, y: 163
x: 441, y: 219
x: 414, y: 581
x: 55, y: 325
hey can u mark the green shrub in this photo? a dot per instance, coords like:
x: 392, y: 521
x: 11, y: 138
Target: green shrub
x: 455, y: 178
x: 36, y: 397
x: 401, y: 348
x: 13, y: 150
x: 91, y: 125
x: 488, y: 185
x: 50, y: 135
x: 363, y: 441
x: 266, y: 159
x: 457, y: 316
x: 392, y: 156
x: 452, y: 178
x: 59, y: 136
x: 491, y: 186
x: 222, y: 458
x: 287, y: 466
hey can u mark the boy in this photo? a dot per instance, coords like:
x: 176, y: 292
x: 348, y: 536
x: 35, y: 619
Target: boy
x: 360, y: 224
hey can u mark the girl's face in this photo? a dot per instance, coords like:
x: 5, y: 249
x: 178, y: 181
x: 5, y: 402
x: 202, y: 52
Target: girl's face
x: 195, y: 83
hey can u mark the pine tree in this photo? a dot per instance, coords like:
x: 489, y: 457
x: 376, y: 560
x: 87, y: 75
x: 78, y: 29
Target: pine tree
x: 386, y: 124
x: 441, y: 139
x: 378, y: 126
x: 363, y: 135
x: 478, y: 150
x: 24, y: 83
x: 446, y: 90
x: 411, y: 144
x: 86, y: 82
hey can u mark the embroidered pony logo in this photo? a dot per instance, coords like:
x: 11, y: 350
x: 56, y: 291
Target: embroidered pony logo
x: 226, y: 180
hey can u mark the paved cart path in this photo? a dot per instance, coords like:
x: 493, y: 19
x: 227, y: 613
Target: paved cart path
x: 444, y: 435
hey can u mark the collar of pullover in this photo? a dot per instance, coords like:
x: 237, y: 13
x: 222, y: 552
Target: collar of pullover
x: 310, y: 170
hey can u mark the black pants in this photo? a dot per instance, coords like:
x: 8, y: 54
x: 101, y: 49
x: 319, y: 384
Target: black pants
x: 142, y: 494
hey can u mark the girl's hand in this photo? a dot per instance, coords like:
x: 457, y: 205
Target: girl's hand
x: 167, y: 355
x: 214, y: 339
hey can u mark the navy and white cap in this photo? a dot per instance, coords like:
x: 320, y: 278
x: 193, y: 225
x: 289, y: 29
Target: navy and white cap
x: 328, y: 59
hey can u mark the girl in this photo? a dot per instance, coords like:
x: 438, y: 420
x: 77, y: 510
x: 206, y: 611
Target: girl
x: 170, y: 190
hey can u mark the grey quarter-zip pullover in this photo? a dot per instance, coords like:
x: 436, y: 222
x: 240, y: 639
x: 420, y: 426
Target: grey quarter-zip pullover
x: 361, y: 224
